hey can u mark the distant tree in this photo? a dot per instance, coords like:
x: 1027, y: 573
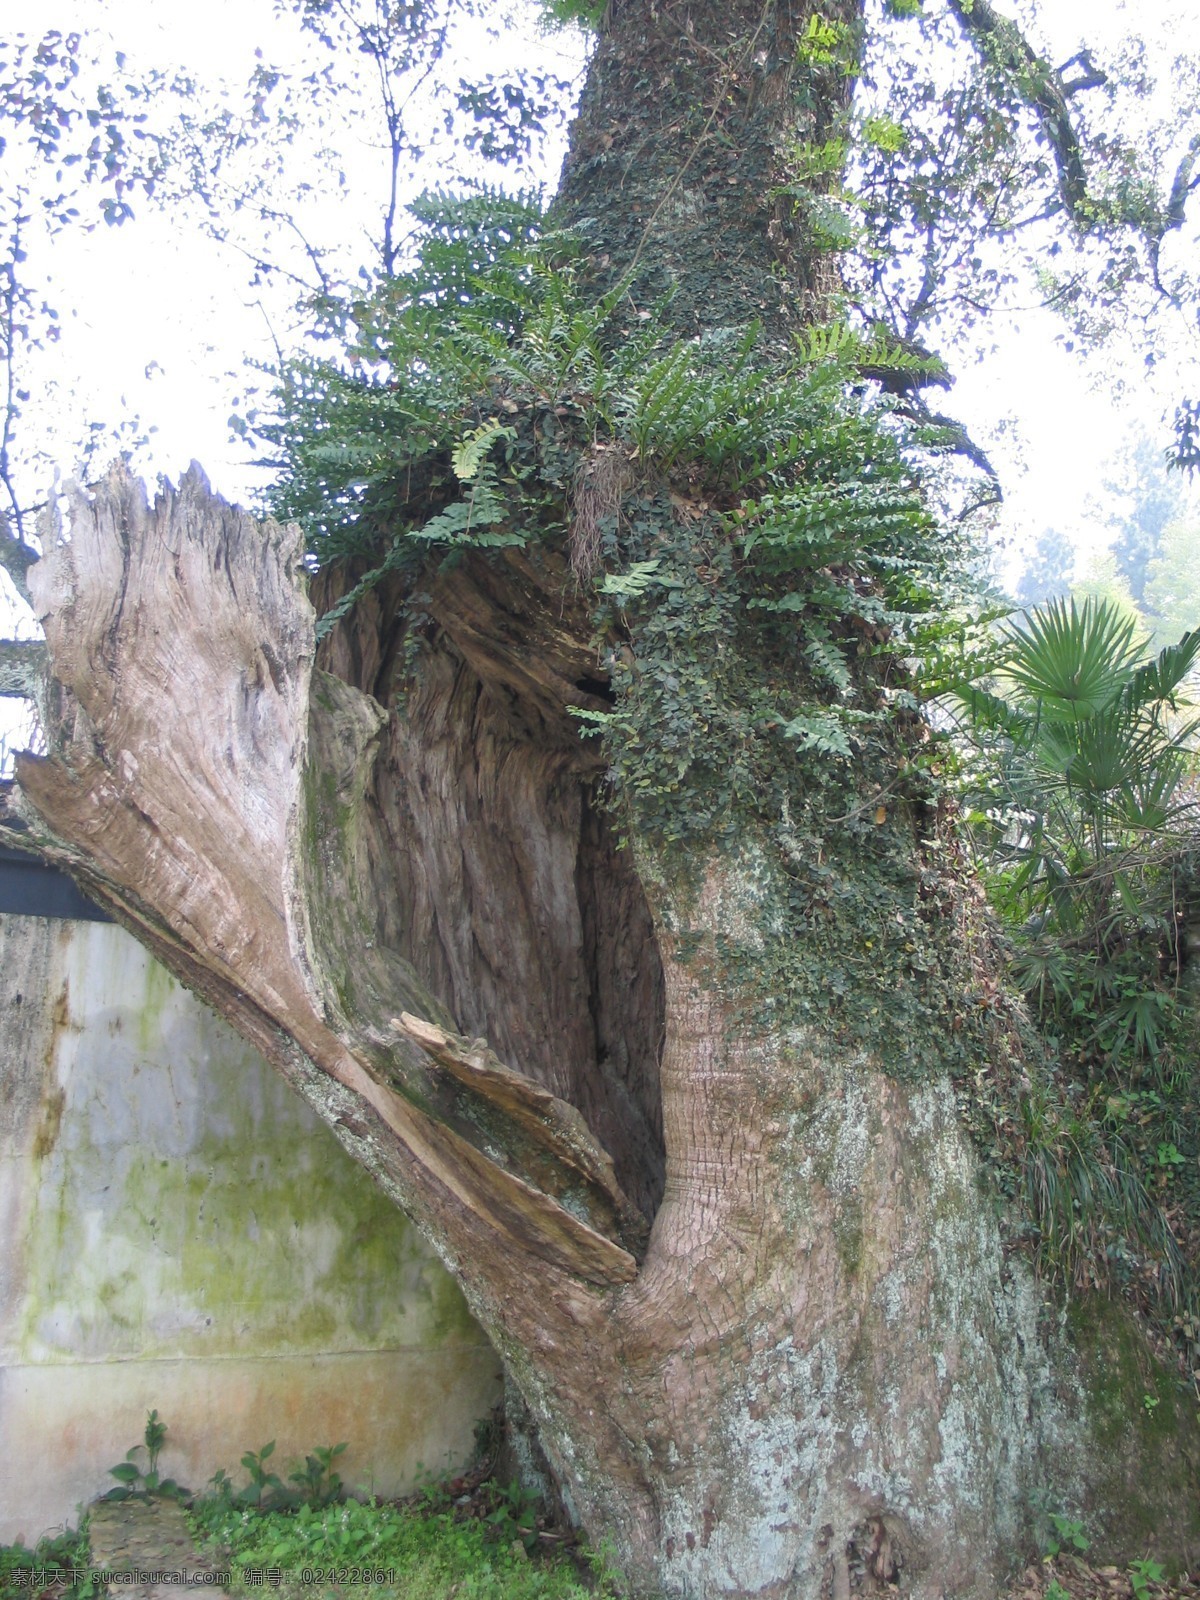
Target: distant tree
x: 1101, y: 581
x: 74, y: 152
x: 1151, y: 496
x: 1172, y: 590
x: 1047, y: 573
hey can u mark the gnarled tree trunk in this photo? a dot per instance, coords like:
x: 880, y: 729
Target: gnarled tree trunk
x: 738, y: 1263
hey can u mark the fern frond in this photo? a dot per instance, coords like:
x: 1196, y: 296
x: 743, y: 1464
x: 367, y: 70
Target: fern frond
x: 470, y: 452
x: 820, y: 732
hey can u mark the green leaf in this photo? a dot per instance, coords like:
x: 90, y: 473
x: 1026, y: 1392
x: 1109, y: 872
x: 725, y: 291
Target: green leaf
x: 822, y: 734
x: 1073, y: 662
x: 634, y: 581
x: 470, y: 453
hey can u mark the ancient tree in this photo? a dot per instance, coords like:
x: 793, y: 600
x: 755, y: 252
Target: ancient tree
x: 585, y: 870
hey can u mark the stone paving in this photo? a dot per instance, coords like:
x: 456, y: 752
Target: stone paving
x: 148, y: 1549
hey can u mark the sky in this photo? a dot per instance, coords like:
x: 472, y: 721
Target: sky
x: 158, y: 318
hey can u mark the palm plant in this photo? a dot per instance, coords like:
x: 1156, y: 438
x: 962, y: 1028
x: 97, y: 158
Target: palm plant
x: 1087, y: 754
x: 1084, y: 809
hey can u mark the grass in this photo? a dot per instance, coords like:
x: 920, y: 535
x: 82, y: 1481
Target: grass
x: 383, y: 1552
x: 452, y: 1554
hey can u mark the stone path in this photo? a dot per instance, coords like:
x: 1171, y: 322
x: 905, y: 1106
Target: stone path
x: 148, y: 1548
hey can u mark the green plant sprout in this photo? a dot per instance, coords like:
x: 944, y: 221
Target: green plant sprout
x: 1142, y: 1574
x: 135, y: 1484
x: 1068, y: 1532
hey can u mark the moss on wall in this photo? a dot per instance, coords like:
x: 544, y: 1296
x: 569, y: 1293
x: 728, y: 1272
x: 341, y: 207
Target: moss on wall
x: 1147, y: 1431
x: 187, y: 1203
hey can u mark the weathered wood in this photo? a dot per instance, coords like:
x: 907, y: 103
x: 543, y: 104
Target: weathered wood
x: 183, y: 639
x: 556, y: 1129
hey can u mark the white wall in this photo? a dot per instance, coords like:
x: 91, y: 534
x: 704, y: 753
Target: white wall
x: 179, y: 1231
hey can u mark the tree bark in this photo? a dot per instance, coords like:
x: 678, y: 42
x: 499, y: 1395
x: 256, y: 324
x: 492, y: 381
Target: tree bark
x: 22, y: 668
x: 741, y: 1269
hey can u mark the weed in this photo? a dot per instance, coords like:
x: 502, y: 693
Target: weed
x: 317, y: 1482
x: 513, y: 1515
x: 378, y: 1552
x: 59, y: 1561
x: 135, y: 1484
x: 1068, y: 1533
x: 1142, y: 1574
x: 263, y: 1482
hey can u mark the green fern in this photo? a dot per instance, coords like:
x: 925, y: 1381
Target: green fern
x: 819, y: 732
x: 635, y: 581
x: 879, y: 351
x: 470, y: 452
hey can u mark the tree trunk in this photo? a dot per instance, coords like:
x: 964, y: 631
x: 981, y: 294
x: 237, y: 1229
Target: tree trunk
x: 706, y: 1184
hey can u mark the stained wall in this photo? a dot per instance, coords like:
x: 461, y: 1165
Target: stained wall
x: 179, y: 1231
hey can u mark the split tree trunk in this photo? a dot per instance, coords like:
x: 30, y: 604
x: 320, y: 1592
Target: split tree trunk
x: 814, y: 1352
x: 744, y: 1278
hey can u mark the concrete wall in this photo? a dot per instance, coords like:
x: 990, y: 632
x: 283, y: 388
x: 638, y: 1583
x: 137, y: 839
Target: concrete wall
x: 178, y: 1231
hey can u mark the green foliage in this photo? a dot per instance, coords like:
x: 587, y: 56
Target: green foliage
x: 1085, y: 822
x: 1067, y: 1534
x: 316, y: 1481
x: 573, y: 13
x: 1104, y: 584
x: 514, y: 1514
x: 1089, y: 758
x: 1171, y: 592
x: 633, y: 582
x: 394, y: 1550
x: 1144, y: 1573
x: 490, y: 323
x: 884, y: 134
x: 316, y: 1484
x: 826, y: 43
x: 136, y: 1483
x: 1148, y: 497
x: 356, y: 435
x: 60, y: 1560
x: 264, y: 1485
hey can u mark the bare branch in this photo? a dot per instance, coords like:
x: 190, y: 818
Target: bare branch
x: 1000, y: 42
x: 1090, y: 75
